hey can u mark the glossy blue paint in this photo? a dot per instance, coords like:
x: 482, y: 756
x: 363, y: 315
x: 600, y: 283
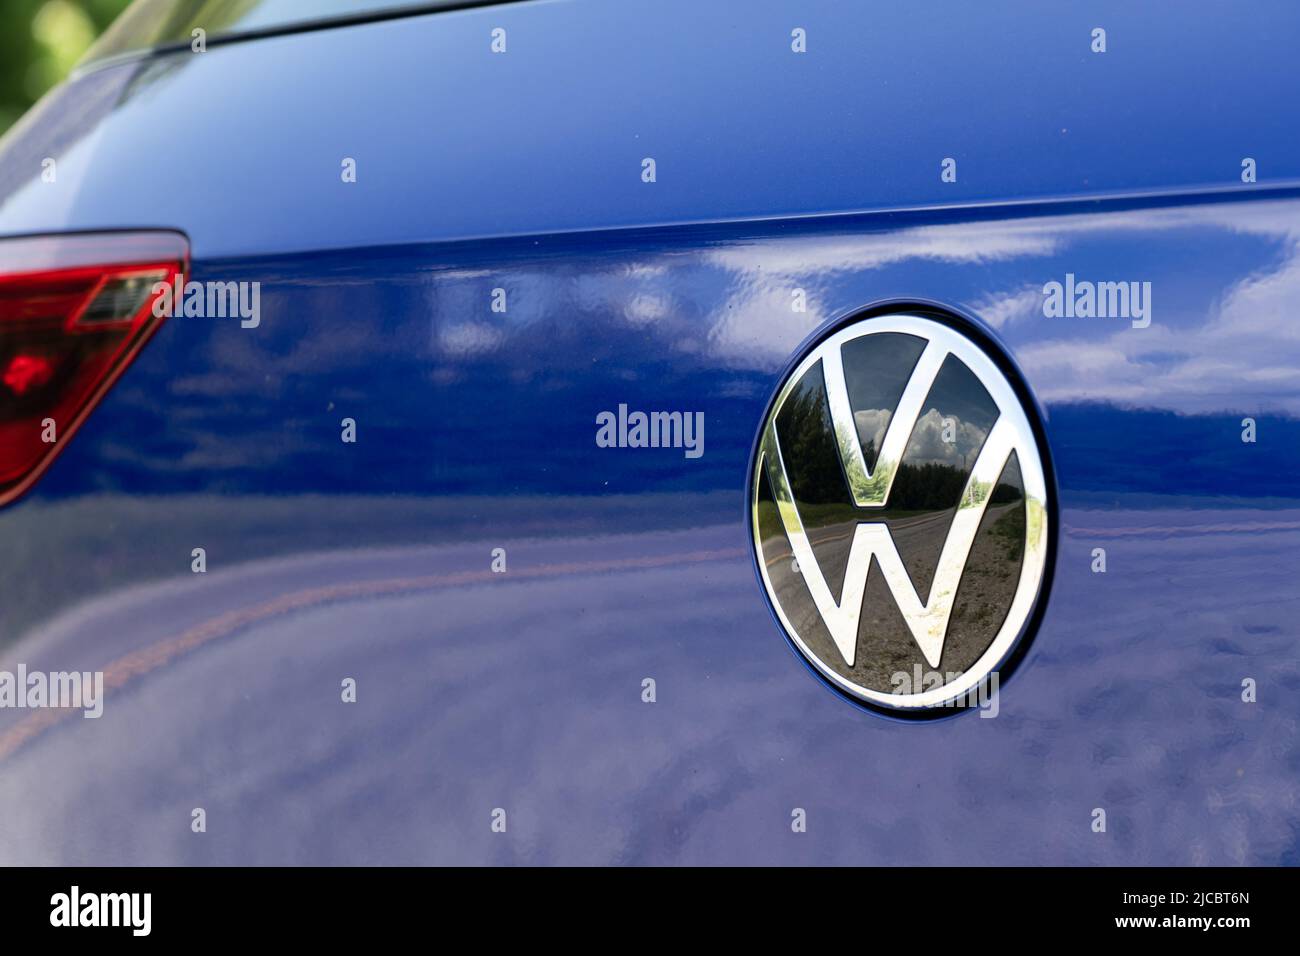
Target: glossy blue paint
x: 476, y: 431
x: 242, y: 144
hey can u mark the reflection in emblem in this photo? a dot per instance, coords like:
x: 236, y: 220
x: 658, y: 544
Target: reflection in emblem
x: 900, y: 512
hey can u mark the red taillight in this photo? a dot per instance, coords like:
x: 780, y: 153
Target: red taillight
x: 74, y: 311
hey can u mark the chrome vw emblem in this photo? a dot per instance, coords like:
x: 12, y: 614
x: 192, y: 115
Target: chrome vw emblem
x: 900, y: 512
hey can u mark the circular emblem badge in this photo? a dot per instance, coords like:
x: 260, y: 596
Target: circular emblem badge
x: 900, y: 514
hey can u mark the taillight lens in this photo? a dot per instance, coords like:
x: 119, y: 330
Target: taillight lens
x: 74, y: 311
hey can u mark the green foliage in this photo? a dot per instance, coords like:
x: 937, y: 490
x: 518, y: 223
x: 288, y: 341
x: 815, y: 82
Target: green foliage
x: 812, y: 460
x: 40, y: 41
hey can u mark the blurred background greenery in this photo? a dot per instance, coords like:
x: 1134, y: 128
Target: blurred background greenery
x: 40, y: 41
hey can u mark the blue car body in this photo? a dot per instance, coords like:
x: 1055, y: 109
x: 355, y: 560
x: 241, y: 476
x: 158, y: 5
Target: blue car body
x: 522, y: 690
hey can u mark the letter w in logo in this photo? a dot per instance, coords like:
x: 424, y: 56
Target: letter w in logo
x: 928, y: 621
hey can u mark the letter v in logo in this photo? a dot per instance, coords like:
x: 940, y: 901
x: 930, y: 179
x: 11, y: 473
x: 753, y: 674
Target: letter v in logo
x: 1017, y: 526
